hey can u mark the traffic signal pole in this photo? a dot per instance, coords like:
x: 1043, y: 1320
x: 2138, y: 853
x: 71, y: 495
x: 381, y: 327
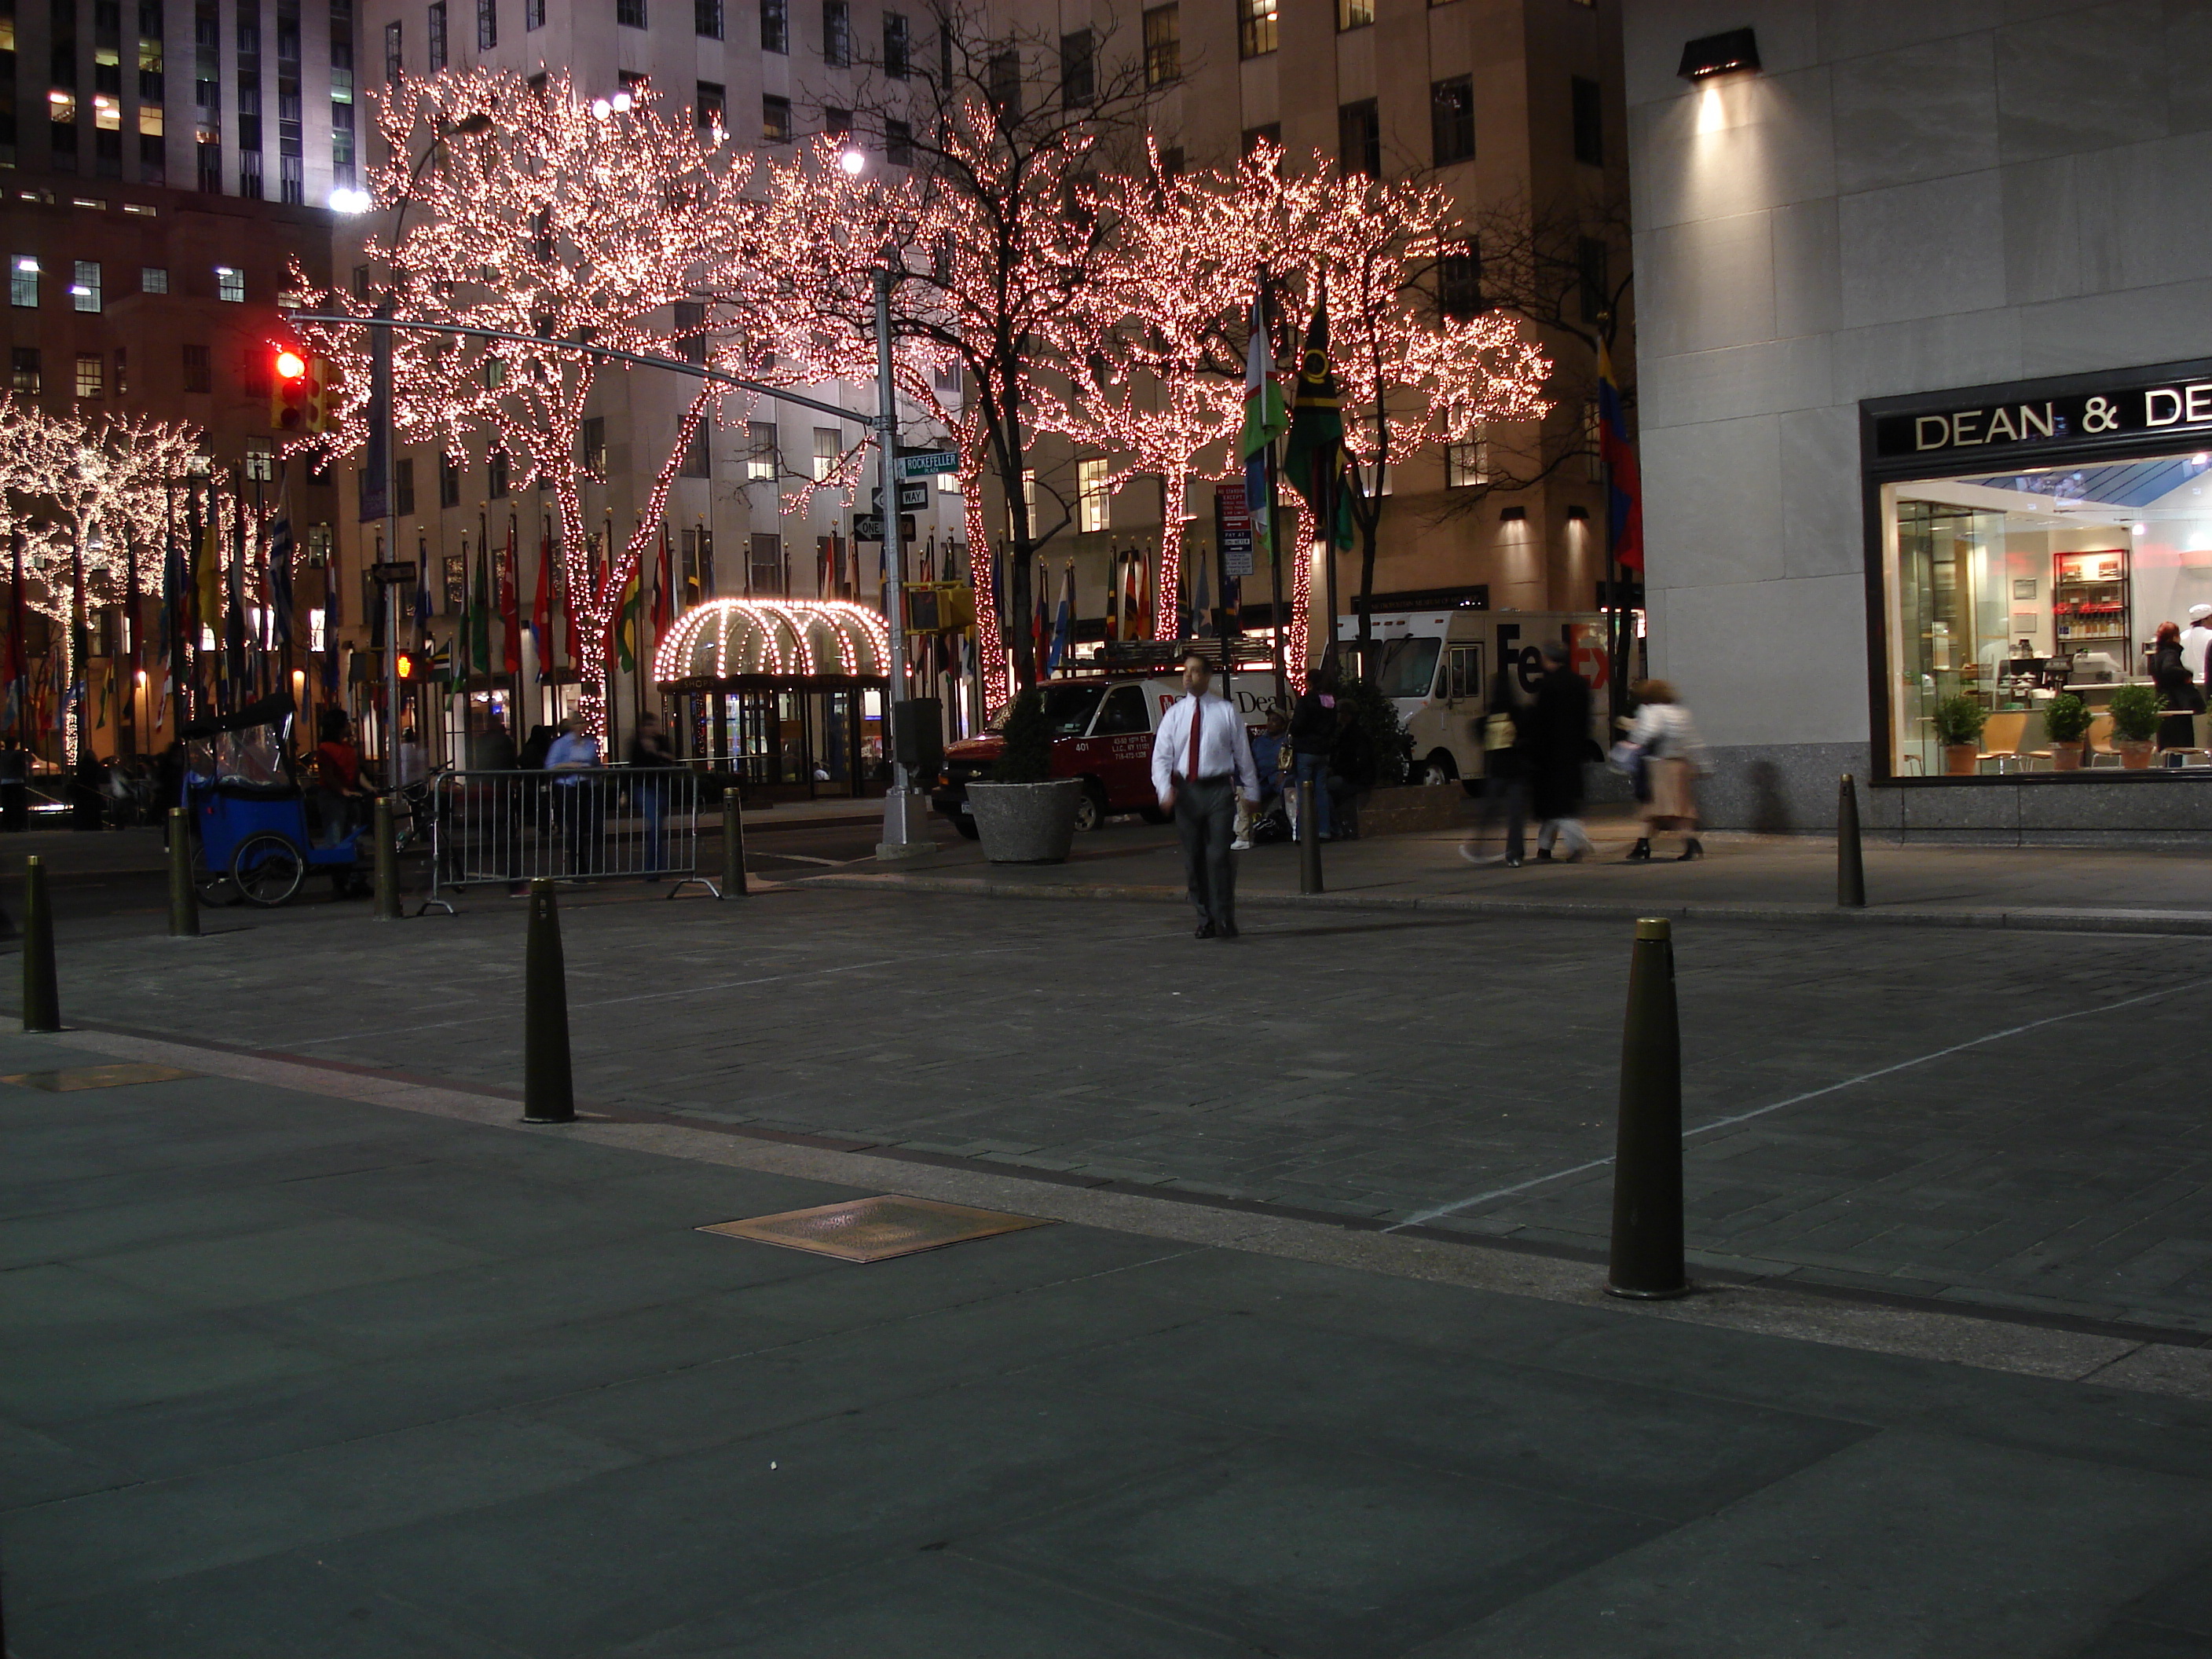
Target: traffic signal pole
x: 901, y: 837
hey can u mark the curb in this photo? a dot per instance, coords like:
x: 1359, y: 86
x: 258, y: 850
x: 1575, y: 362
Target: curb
x: 2193, y: 922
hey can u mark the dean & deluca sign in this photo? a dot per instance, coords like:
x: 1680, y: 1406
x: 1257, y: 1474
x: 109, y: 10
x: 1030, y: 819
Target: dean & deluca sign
x: 2001, y: 424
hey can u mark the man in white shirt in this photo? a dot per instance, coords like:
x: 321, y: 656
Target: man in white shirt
x: 1199, y: 781
x: 2197, y: 642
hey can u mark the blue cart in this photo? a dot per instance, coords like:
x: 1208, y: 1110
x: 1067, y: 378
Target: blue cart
x: 249, y: 814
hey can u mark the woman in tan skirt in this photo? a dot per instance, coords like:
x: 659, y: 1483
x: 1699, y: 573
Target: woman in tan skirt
x: 1672, y: 757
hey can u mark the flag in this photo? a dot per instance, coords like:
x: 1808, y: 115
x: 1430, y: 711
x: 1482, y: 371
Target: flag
x: 1114, y: 597
x: 541, y: 607
x: 626, y: 625
x: 509, y: 616
x: 664, y: 585
x: 234, y: 633
x: 331, y: 628
x: 457, y: 664
x: 1063, y: 622
x: 1313, y: 459
x: 424, y: 603
x: 208, y: 590
x: 480, y: 610
x: 280, y: 579
x: 1201, y: 611
x: 1040, y: 623
x: 1264, y: 420
x: 1624, y: 535
x: 1137, y: 624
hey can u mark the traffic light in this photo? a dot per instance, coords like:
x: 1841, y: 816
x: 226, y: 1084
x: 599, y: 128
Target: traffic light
x: 287, y: 392
x: 406, y: 666
x: 318, y: 394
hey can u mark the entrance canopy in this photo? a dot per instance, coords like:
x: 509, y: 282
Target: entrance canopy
x: 733, y: 644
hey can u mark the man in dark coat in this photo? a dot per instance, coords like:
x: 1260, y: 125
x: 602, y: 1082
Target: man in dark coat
x: 1556, y: 735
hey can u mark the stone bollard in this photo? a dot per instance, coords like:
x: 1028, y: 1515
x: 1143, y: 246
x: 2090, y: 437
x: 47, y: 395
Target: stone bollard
x: 733, y: 842
x: 549, y: 1094
x: 1647, y: 1175
x: 42, y: 1004
x: 1308, y: 839
x: 183, y: 897
x: 386, y: 862
x: 1850, y: 861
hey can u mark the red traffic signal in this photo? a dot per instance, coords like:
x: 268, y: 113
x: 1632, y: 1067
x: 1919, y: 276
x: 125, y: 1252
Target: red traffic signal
x: 287, y: 392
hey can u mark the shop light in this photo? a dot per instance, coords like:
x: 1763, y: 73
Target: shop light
x: 853, y: 161
x: 1719, y: 54
x: 347, y: 199
x: 1579, y: 515
x: 2140, y: 529
x: 1513, y: 515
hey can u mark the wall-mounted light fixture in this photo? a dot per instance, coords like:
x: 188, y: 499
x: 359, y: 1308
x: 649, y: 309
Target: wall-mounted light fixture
x: 1719, y: 54
x: 1513, y: 515
x: 1579, y: 515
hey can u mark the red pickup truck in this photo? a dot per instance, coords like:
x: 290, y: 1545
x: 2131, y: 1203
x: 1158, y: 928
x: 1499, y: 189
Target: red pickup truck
x: 1102, y: 732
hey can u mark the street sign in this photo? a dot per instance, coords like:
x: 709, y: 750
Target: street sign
x: 392, y: 573
x: 1233, y: 524
x: 922, y: 463
x: 868, y: 526
x: 915, y: 496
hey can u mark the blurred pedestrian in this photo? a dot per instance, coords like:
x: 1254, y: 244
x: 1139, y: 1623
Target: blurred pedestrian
x: 1268, y: 748
x: 652, y: 759
x: 1671, y: 756
x: 575, y: 764
x: 1201, y: 761
x: 1506, y: 772
x: 1312, y: 740
x: 336, y: 765
x: 1558, y: 746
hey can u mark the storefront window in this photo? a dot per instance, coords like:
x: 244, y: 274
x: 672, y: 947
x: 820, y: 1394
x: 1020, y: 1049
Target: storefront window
x: 2011, y: 588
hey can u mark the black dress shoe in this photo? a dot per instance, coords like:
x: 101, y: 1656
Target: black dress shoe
x: 1544, y: 855
x: 1205, y: 930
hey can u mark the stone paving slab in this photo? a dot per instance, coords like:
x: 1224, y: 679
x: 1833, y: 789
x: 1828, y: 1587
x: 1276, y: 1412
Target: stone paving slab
x: 1072, y: 1440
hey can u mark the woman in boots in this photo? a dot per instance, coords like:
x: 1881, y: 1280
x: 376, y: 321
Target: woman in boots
x: 1672, y: 753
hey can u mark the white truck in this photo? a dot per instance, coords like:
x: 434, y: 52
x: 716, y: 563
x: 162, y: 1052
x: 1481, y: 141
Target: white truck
x: 1436, y: 666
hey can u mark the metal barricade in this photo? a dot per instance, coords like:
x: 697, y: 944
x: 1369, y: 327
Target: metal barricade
x: 606, y: 824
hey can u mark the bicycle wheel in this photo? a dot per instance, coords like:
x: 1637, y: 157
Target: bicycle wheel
x: 267, y: 869
x: 215, y: 887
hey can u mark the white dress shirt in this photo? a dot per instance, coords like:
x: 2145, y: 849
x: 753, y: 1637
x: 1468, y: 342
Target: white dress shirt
x: 1224, y: 747
x: 2195, y: 643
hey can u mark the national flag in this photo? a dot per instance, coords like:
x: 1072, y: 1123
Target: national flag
x: 280, y: 579
x: 541, y: 607
x: 234, y: 633
x: 626, y: 619
x: 1135, y: 607
x: 1202, y: 610
x: 1041, y: 621
x: 209, y: 588
x: 509, y: 613
x: 458, y: 667
x: 1114, y: 596
x: 480, y: 610
x: 1264, y: 418
x: 664, y: 585
x: 423, y: 603
x: 1313, y: 459
x: 1624, y: 487
x: 1063, y: 622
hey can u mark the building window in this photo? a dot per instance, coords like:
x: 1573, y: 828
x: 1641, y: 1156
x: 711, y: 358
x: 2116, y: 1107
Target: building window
x: 495, y: 475
x: 25, y: 378
x: 1354, y: 13
x: 898, y: 143
x: 1466, y: 465
x: 1459, y: 281
x: 1360, y: 139
x: 948, y: 483
x: 836, y: 34
x: 896, y: 63
x: 230, y: 284
x: 487, y: 25
x: 84, y: 285
x: 23, y: 280
x: 198, y: 376
x: 254, y: 367
x: 837, y: 122
x: 829, y: 445
x: 403, y: 486
x: 1078, y: 71
x: 1270, y: 134
x: 691, y: 332
x: 1002, y: 84
x: 1255, y: 28
x: 775, y: 119
x: 711, y: 107
x: 1592, y: 279
x: 533, y: 15
x: 393, y: 68
x: 1093, y: 507
x: 1451, y: 119
x: 776, y: 26
x: 1589, y: 122
x: 594, y: 445
x: 449, y: 480
x: 764, y: 564
x: 706, y: 19
x: 434, y: 40
x: 1162, y: 46
x: 260, y: 461
x: 694, y: 463
x: 153, y: 279
x: 760, y: 452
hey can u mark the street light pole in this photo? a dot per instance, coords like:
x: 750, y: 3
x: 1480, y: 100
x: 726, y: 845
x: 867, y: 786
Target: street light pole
x: 901, y: 839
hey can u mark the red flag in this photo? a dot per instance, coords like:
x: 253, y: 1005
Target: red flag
x: 508, y: 600
x: 541, y: 608
x: 1133, y: 601
x: 663, y: 588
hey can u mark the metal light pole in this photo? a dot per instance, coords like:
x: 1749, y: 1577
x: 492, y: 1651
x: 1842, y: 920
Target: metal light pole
x: 901, y: 837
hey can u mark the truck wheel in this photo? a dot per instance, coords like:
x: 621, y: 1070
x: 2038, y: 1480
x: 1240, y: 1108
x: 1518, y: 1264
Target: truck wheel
x: 1439, y: 768
x: 965, y: 824
x: 1090, y: 810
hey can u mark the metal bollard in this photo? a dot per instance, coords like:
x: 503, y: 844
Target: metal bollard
x: 42, y: 1004
x: 733, y: 842
x: 1850, y: 862
x: 1308, y: 840
x: 1647, y: 1176
x: 548, y: 1093
x: 183, y: 897
x: 387, y: 863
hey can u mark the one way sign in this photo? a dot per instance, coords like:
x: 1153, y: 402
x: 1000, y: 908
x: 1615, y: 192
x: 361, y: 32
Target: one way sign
x: 910, y: 495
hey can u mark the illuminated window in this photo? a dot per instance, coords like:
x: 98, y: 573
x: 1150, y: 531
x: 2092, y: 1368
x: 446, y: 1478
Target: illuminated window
x: 1163, y: 45
x: 91, y: 374
x: 230, y: 284
x: 84, y: 291
x: 760, y: 451
x: 1093, y: 506
x: 1354, y: 13
x: 25, y: 377
x: 23, y: 280
x: 1468, y: 464
x: 829, y: 445
x: 1255, y: 28
x: 1451, y: 119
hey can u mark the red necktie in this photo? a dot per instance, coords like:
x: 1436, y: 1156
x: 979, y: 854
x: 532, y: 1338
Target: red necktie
x: 1190, y: 749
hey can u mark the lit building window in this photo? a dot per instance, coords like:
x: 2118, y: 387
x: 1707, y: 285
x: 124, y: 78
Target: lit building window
x: 760, y: 451
x: 91, y: 374
x: 829, y: 445
x: 230, y: 284
x: 1093, y: 507
x: 1468, y: 464
x: 84, y: 291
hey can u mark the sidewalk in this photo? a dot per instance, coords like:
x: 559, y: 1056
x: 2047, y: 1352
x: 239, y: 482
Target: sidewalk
x: 1742, y: 877
x: 297, y: 1374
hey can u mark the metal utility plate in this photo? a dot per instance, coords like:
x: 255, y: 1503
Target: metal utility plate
x: 874, y: 1229
x: 96, y: 1077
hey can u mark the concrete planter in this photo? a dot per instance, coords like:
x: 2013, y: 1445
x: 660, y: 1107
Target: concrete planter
x: 1408, y: 809
x: 1026, y: 823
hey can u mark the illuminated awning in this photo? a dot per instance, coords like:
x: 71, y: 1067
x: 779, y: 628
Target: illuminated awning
x: 761, y: 641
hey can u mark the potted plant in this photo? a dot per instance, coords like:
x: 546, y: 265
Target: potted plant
x: 2135, y: 723
x: 2066, y: 721
x: 1959, y: 722
x: 1024, y: 815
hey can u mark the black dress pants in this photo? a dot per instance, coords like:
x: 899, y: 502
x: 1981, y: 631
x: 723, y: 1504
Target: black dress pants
x: 1206, y: 823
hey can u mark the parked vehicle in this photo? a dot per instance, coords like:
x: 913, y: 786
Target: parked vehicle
x: 1436, y: 666
x: 1102, y: 732
x: 249, y: 815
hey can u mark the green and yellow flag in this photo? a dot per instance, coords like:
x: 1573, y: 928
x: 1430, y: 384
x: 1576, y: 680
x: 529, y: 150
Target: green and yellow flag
x: 626, y: 625
x: 1313, y: 459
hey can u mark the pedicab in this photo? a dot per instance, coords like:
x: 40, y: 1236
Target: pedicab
x: 249, y: 813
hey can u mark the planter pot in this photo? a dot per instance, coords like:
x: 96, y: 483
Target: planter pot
x: 2134, y: 755
x: 1958, y: 759
x: 2066, y: 757
x: 1026, y: 823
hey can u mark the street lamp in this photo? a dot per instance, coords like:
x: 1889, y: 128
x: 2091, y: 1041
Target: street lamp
x: 853, y: 161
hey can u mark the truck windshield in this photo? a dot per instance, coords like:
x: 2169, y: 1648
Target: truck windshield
x: 1409, y: 667
x: 1067, y: 709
